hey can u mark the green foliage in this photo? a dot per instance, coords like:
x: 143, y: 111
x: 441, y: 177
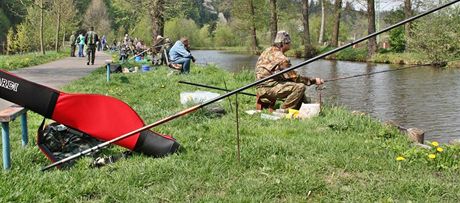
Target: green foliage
x: 27, y: 35
x: 352, y: 54
x: 400, y: 58
x: 204, y: 37
x: 23, y: 38
x: 179, y: 27
x: 397, y: 40
x: 224, y: 36
x: 437, y: 36
x: 4, y: 24
x: 12, y: 46
x: 142, y: 30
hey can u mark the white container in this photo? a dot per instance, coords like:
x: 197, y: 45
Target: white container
x: 196, y: 97
x: 269, y: 117
x: 309, y: 110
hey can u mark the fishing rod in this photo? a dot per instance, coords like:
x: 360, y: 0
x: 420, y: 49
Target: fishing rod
x: 327, y: 80
x: 213, y: 87
x: 196, y: 107
x: 372, y: 73
x: 155, y: 46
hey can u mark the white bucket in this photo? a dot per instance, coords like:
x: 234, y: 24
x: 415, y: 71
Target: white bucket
x: 196, y: 97
x: 309, y: 110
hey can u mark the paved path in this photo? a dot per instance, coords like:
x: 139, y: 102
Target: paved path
x: 59, y: 73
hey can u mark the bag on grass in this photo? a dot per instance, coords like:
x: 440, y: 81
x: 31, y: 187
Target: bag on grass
x: 57, y: 142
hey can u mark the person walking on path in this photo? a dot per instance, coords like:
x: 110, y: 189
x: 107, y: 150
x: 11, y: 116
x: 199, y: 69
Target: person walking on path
x: 81, y: 44
x: 73, y: 44
x: 289, y: 86
x: 91, y: 39
x: 180, y: 55
x: 103, y: 42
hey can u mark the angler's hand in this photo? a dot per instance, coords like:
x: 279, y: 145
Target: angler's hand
x: 319, y: 81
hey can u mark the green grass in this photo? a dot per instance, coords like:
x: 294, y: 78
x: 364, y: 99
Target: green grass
x: 13, y: 62
x: 334, y: 157
x: 400, y: 58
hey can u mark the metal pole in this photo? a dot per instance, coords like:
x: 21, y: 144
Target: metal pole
x: 238, y: 155
x: 108, y: 69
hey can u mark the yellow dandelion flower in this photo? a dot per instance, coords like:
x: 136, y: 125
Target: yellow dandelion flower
x: 435, y: 144
x: 439, y: 149
x: 400, y: 158
x: 432, y: 156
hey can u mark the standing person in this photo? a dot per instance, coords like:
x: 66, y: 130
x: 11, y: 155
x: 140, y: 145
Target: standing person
x: 126, y: 39
x: 156, y: 50
x: 289, y: 86
x: 165, y: 52
x: 73, y: 44
x: 81, y: 44
x: 90, y: 40
x: 103, y: 42
x: 180, y: 56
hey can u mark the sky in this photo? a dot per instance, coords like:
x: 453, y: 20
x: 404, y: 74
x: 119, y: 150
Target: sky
x: 385, y: 5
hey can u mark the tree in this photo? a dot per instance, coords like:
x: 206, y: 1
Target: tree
x: 372, y: 42
x: 323, y: 21
x: 273, y: 20
x: 255, y: 43
x: 57, y: 9
x: 156, y: 9
x: 335, y: 33
x: 42, y: 42
x: 407, y: 14
x: 306, y: 30
x: 97, y: 16
x: 437, y: 37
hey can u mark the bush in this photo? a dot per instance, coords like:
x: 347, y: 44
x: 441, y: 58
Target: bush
x: 352, y: 54
x: 397, y: 40
x: 179, y: 27
x: 224, y: 36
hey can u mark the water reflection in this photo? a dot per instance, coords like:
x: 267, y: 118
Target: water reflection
x: 422, y: 97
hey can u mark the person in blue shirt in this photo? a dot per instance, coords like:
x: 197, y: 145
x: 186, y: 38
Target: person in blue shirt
x: 180, y: 55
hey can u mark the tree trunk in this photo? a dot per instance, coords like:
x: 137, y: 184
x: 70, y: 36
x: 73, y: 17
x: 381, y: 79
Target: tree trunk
x: 63, y: 39
x: 407, y: 26
x: 372, y: 42
x: 42, y: 43
x: 273, y: 20
x: 335, y: 33
x: 323, y: 20
x: 58, y: 27
x: 255, y: 44
x: 306, y: 30
x: 157, y: 18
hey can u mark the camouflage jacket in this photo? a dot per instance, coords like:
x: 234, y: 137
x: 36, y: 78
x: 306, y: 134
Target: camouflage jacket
x: 271, y: 61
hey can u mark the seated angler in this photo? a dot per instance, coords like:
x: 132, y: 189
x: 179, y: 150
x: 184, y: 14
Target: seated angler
x: 179, y: 55
x: 290, y: 86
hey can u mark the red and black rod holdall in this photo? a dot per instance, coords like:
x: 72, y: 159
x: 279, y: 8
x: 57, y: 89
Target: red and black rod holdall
x: 102, y: 117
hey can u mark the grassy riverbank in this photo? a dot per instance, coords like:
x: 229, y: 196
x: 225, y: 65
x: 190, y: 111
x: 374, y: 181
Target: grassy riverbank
x: 334, y: 157
x: 13, y: 62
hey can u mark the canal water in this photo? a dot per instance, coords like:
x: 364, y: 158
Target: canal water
x: 423, y: 97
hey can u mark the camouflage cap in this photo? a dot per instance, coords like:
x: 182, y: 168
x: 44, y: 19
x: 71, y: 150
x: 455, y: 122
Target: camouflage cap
x: 282, y: 37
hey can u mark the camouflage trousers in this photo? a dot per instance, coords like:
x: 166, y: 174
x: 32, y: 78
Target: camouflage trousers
x: 293, y: 93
